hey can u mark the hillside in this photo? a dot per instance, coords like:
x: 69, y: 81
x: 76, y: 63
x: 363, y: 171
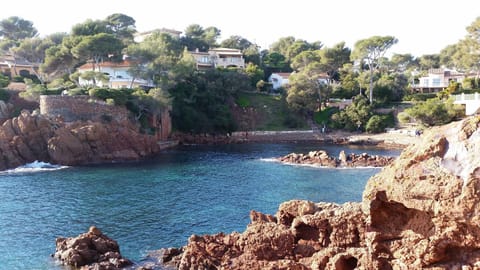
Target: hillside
x: 258, y: 111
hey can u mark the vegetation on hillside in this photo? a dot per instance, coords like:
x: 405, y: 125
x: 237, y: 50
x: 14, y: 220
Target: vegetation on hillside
x: 224, y: 100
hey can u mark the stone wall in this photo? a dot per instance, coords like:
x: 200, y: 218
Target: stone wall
x: 73, y: 108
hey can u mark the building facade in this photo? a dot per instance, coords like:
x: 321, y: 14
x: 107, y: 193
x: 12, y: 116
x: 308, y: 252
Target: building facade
x: 219, y: 58
x: 437, y: 80
x: 118, y: 75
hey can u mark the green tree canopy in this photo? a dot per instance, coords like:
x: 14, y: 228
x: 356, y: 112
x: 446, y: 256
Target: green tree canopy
x: 236, y: 42
x: 121, y: 26
x: 370, y: 51
x: 15, y: 28
x: 97, y: 48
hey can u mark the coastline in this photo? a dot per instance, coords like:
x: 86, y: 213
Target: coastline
x: 396, y: 139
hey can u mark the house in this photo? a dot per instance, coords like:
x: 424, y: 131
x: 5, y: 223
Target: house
x: 203, y: 59
x: 437, y: 80
x: 139, y: 37
x: 117, y: 73
x: 279, y: 79
x: 219, y: 57
x: 16, y: 66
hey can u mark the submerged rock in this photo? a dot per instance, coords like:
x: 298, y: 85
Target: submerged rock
x: 91, y: 250
x: 419, y: 212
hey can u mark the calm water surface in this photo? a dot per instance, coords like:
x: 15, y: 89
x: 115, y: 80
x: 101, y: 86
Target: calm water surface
x: 161, y: 202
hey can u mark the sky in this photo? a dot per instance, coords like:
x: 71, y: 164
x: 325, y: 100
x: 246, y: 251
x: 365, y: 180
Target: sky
x: 421, y: 26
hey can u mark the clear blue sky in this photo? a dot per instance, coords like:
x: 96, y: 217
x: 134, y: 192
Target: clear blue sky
x: 421, y: 26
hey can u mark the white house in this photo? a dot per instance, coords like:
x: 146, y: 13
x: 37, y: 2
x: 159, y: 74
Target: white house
x: 279, y: 79
x: 117, y: 73
x: 437, y: 80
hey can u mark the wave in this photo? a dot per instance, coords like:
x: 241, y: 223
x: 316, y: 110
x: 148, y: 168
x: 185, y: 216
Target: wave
x: 36, y: 166
x: 316, y: 165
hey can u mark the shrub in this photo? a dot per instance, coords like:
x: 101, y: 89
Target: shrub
x: 18, y: 79
x: 435, y: 112
x: 378, y: 123
x: 419, y: 96
x: 4, y: 81
x: 4, y: 95
x: 242, y: 101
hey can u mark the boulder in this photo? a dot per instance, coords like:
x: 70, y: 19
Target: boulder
x: 90, y: 250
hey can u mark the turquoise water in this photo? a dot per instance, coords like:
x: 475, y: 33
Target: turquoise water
x: 161, y: 202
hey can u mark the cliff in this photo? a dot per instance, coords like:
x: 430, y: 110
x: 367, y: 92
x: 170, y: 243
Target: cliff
x: 419, y: 212
x: 31, y: 137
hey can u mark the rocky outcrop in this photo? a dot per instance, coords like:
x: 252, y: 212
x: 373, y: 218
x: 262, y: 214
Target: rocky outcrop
x: 321, y: 158
x: 419, y: 212
x: 31, y: 137
x: 91, y: 250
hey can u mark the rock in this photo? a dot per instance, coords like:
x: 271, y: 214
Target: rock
x: 31, y: 137
x: 419, y: 212
x: 321, y: 158
x: 93, y: 250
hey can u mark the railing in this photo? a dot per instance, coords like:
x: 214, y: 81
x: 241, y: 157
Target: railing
x: 466, y: 97
x: 230, y: 61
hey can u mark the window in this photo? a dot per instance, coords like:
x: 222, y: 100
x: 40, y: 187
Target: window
x: 436, y: 82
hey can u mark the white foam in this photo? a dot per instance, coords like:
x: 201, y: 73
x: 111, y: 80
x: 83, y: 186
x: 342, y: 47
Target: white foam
x: 36, y: 166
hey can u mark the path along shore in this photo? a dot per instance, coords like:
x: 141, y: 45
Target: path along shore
x: 398, y: 138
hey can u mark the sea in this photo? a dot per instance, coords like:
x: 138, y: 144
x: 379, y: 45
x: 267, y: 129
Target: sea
x: 162, y: 201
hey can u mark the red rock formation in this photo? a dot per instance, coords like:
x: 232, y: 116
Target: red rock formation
x: 31, y: 137
x: 420, y: 212
x: 321, y: 158
x: 93, y: 249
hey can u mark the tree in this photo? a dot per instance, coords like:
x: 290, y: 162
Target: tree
x: 59, y: 59
x: 252, y: 55
x: 121, y: 26
x: 332, y: 59
x: 195, y: 35
x: 355, y: 116
x: 97, y: 48
x: 306, y: 92
x: 281, y: 46
x: 305, y: 58
x: 275, y: 62
x: 90, y: 28
x: 236, y: 42
x: 15, y: 28
x: 428, y: 61
x: 33, y: 50
x: 370, y: 50
x: 255, y: 73
x: 210, y: 36
x: 402, y: 62
x: 154, y: 57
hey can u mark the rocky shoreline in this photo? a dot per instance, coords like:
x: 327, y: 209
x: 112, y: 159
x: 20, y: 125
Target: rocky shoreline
x: 419, y: 212
x: 388, y: 140
x: 34, y: 137
x: 323, y: 159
